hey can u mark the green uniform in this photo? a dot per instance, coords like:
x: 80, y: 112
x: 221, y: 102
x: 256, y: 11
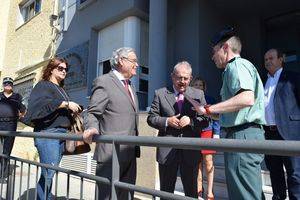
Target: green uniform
x: 241, y: 74
x: 243, y: 170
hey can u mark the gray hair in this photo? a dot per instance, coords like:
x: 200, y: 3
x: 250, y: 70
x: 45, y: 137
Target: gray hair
x: 183, y: 63
x: 118, y: 54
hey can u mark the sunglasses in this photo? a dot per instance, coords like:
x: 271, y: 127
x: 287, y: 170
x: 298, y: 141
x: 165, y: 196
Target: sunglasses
x: 61, y: 68
x: 8, y: 83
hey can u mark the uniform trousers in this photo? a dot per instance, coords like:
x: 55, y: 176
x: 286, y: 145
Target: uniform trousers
x: 243, y: 170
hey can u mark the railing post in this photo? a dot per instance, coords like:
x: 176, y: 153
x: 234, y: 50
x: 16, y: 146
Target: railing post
x: 9, y: 181
x: 115, y: 169
x: 89, y: 158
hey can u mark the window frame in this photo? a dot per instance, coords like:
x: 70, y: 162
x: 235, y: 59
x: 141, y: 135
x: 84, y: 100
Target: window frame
x: 24, y: 10
x: 86, y: 3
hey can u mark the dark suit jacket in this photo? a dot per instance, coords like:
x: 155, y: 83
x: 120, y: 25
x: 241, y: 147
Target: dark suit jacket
x: 112, y: 112
x: 287, y: 105
x: 164, y: 105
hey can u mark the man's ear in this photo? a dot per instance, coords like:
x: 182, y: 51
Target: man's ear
x: 120, y: 61
x: 225, y: 46
x: 281, y: 60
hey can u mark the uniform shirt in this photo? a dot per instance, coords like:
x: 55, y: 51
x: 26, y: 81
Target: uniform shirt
x: 240, y: 74
x: 270, y: 88
x: 10, y: 106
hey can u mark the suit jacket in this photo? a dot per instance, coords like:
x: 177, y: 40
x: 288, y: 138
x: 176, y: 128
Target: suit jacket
x: 164, y: 105
x: 287, y: 105
x: 112, y: 112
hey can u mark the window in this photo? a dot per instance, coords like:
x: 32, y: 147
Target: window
x: 29, y: 9
x: 104, y: 67
x: 143, y: 87
x: 81, y: 4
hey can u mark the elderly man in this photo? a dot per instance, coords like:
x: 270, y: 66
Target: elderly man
x: 241, y: 114
x: 11, y: 109
x: 113, y: 110
x: 172, y: 115
x: 282, y: 110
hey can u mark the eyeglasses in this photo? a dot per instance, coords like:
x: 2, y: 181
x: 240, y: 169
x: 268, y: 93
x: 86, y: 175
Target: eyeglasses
x: 61, y: 68
x: 134, y: 61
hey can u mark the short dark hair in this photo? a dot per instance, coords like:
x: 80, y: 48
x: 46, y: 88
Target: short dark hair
x: 198, y: 79
x: 279, y: 53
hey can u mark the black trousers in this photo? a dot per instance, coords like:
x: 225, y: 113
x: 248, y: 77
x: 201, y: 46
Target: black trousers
x: 276, y: 164
x: 6, y: 145
x: 188, y: 173
x: 127, y: 174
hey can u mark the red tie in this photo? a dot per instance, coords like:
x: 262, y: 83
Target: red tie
x: 126, y: 83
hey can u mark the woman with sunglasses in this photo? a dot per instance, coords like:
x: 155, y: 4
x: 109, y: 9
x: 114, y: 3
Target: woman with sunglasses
x: 49, y: 111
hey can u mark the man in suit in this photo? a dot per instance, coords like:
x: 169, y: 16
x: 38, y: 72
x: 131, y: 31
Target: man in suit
x: 172, y: 115
x: 113, y: 110
x: 282, y: 111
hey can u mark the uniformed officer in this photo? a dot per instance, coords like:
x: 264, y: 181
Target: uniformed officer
x: 241, y: 115
x: 12, y: 109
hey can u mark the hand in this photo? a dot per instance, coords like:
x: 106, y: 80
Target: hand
x: 74, y: 107
x: 184, y: 121
x: 174, y: 121
x: 196, y: 106
x: 88, y: 135
x: 21, y: 114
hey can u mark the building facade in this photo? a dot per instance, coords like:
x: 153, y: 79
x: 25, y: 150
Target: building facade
x: 3, y: 30
x: 165, y: 32
x: 29, y: 42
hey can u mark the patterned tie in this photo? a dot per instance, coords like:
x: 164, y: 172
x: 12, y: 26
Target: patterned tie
x: 179, y: 101
x: 126, y: 84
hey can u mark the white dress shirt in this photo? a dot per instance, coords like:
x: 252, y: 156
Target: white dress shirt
x: 270, y: 89
x: 121, y: 78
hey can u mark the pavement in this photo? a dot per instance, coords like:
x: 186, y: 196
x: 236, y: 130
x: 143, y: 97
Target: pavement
x: 23, y: 186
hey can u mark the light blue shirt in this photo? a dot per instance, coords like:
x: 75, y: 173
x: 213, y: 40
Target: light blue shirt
x: 270, y: 89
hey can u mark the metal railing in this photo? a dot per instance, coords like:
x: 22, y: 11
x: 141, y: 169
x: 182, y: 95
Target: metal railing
x: 271, y: 147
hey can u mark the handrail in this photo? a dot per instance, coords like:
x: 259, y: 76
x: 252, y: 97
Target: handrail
x: 271, y: 147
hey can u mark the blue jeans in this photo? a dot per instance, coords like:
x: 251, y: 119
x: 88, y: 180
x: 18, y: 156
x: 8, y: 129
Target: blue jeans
x: 50, y: 152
